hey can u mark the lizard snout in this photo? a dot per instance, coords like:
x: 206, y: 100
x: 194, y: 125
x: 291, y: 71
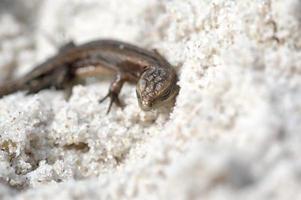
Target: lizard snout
x: 145, y: 105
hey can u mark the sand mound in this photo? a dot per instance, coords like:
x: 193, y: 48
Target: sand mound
x: 234, y: 132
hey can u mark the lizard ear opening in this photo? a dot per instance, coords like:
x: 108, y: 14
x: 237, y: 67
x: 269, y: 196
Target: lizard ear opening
x: 144, y: 68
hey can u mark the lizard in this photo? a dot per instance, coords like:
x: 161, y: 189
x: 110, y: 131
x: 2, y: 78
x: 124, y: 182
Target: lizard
x: 155, y: 78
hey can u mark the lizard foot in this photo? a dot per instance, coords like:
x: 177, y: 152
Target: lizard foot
x: 113, y: 99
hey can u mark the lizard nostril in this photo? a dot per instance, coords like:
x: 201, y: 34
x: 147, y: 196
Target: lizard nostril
x: 146, y: 105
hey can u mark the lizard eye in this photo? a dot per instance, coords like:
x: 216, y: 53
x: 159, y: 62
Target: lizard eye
x: 142, y: 84
x: 138, y: 95
x: 165, y: 95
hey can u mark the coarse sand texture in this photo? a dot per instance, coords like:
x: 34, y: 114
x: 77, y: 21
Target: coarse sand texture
x: 234, y: 132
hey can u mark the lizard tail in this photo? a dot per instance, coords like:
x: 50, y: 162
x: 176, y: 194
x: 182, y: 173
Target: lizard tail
x: 9, y: 87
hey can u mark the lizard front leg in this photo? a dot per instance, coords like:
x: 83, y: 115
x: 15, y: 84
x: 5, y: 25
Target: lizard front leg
x: 100, y: 67
x: 115, y: 88
x: 114, y: 91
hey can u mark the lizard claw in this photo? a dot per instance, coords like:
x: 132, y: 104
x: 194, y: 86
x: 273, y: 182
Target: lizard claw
x: 113, y: 99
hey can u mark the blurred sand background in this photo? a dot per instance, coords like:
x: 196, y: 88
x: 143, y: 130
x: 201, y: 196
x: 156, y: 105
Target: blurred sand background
x: 234, y: 133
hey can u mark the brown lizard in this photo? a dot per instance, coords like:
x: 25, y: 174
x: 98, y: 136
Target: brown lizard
x: 156, y: 79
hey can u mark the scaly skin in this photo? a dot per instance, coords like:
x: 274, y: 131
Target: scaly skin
x: 156, y: 79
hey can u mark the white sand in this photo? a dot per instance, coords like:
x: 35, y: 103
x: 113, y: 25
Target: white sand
x: 233, y: 134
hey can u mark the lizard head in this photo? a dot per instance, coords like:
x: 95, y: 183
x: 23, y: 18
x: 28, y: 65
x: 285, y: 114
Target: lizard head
x: 156, y: 87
